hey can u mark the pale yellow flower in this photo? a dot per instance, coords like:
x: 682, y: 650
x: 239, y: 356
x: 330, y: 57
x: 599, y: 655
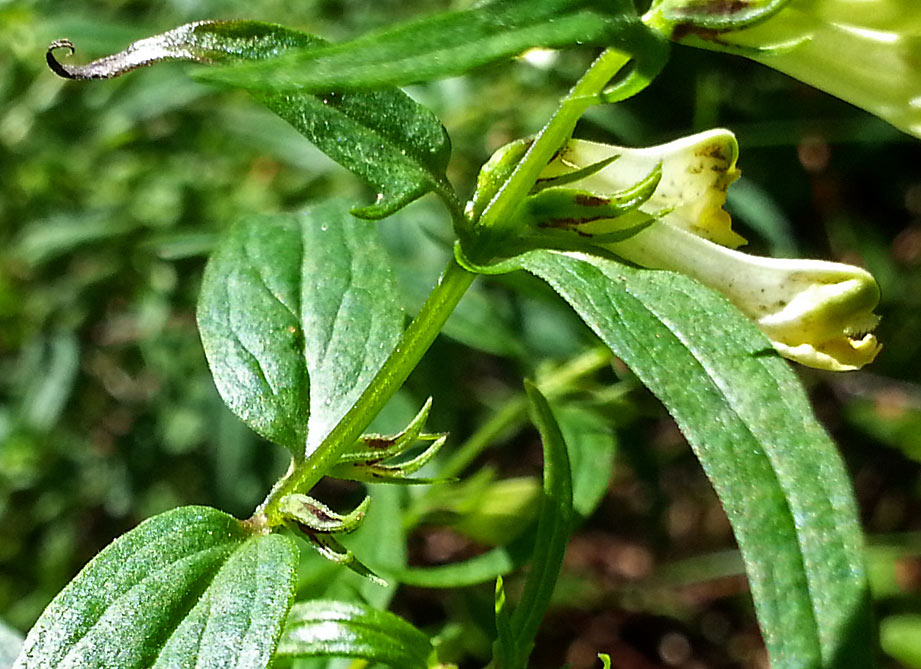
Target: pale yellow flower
x: 815, y: 312
x: 867, y: 52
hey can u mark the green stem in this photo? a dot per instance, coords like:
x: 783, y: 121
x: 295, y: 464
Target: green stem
x: 412, y: 346
x: 497, y: 219
x: 451, y: 288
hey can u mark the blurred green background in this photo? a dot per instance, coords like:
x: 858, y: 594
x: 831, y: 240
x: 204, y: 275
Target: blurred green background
x: 112, y: 194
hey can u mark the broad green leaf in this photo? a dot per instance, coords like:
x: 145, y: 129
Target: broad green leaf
x: 347, y: 629
x: 297, y: 313
x: 383, y: 136
x: 448, y: 44
x: 778, y: 475
x: 190, y: 587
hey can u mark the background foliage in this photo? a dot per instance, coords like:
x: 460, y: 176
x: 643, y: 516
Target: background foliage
x: 111, y: 196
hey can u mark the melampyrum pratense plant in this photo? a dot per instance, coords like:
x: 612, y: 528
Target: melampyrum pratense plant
x: 305, y: 338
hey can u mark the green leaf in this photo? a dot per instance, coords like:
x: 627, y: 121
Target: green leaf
x: 476, y: 570
x: 297, y: 313
x: 553, y: 526
x: 900, y: 638
x: 447, y: 44
x: 345, y: 629
x: 190, y: 587
x: 778, y: 475
x: 383, y: 136
x: 592, y: 445
x: 505, y: 647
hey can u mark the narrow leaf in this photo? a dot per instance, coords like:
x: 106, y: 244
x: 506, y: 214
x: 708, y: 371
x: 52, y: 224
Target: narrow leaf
x: 476, y: 570
x: 505, y: 647
x: 778, y: 475
x: 322, y: 628
x: 448, y: 44
x: 553, y: 525
x: 383, y: 136
x: 591, y: 446
x: 190, y: 587
x: 297, y: 313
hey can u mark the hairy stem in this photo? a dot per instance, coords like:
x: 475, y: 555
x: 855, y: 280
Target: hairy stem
x: 412, y: 346
x: 497, y: 221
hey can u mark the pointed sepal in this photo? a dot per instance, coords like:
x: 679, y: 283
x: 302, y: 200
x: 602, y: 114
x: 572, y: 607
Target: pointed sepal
x: 315, y: 517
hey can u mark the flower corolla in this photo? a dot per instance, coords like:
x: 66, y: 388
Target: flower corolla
x: 815, y: 312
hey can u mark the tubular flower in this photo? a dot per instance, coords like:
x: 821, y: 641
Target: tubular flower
x: 815, y: 312
x: 867, y: 52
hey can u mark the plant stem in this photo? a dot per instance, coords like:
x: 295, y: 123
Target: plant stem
x: 497, y: 219
x: 412, y: 346
x: 450, y: 289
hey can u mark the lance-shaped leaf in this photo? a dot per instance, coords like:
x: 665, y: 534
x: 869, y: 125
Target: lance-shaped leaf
x: 554, y: 522
x: 190, y: 587
x: 297, y: 314
x: 323, y: 628
x: 316, y: 517
x: 780, y: 479
x: 505, y: 647
x: 453, y: 43
x: 516, y: 631
x: 383, y: 136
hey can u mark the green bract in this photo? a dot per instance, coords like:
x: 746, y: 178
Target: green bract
x: 815, y: 312
x: 866, y: 53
